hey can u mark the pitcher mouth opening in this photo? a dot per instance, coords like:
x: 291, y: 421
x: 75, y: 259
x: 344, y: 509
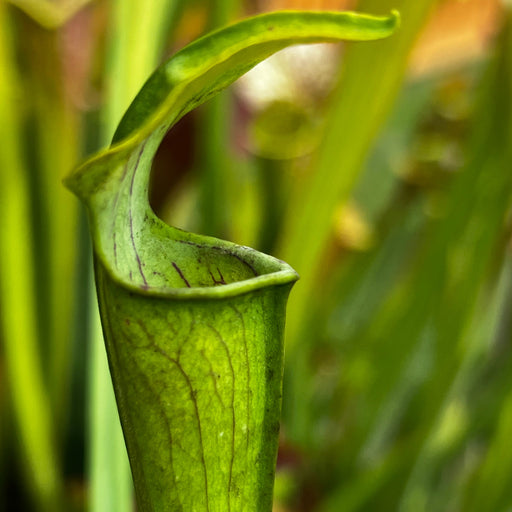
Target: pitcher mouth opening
x: 221, y: 269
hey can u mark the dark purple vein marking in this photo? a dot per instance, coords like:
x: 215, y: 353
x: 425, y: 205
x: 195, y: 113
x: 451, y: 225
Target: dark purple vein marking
x: 248, y: 375
x: 139, y: 263
x: 114, y: 209
x: 239, y: 258
x: 217, y: 281
x: 180, y: 274
x: 119, y: 189
x: 187, y: 337
x: 153, y: 344
x: 222, y: 250
x: 232, y: 407
x: 196, y: 408
x: 214, y: 379
x: 162, y: 413
x: 115, y: 249
x: 150, y: 337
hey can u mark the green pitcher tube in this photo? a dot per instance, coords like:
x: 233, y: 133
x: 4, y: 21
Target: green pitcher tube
x: 198, y: 385
x: 194, y: 325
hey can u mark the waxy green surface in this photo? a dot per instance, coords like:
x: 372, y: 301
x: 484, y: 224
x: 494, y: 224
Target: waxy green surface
x: 194, y: 325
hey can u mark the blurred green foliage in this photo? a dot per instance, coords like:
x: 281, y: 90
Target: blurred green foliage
x: 394, y: 208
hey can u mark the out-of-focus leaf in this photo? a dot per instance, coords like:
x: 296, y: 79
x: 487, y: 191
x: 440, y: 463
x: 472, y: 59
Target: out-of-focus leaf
x: 18, y: 319
x: 50, y: 14
x: 371, y: 79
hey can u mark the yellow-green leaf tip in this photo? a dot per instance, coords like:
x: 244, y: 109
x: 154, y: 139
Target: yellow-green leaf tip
x: 397, y: 18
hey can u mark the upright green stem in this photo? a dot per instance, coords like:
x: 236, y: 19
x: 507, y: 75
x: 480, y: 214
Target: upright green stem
x: 30, y: 403
x: 215, y: 161
x: 57, y: 149
x: 370, y: 82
